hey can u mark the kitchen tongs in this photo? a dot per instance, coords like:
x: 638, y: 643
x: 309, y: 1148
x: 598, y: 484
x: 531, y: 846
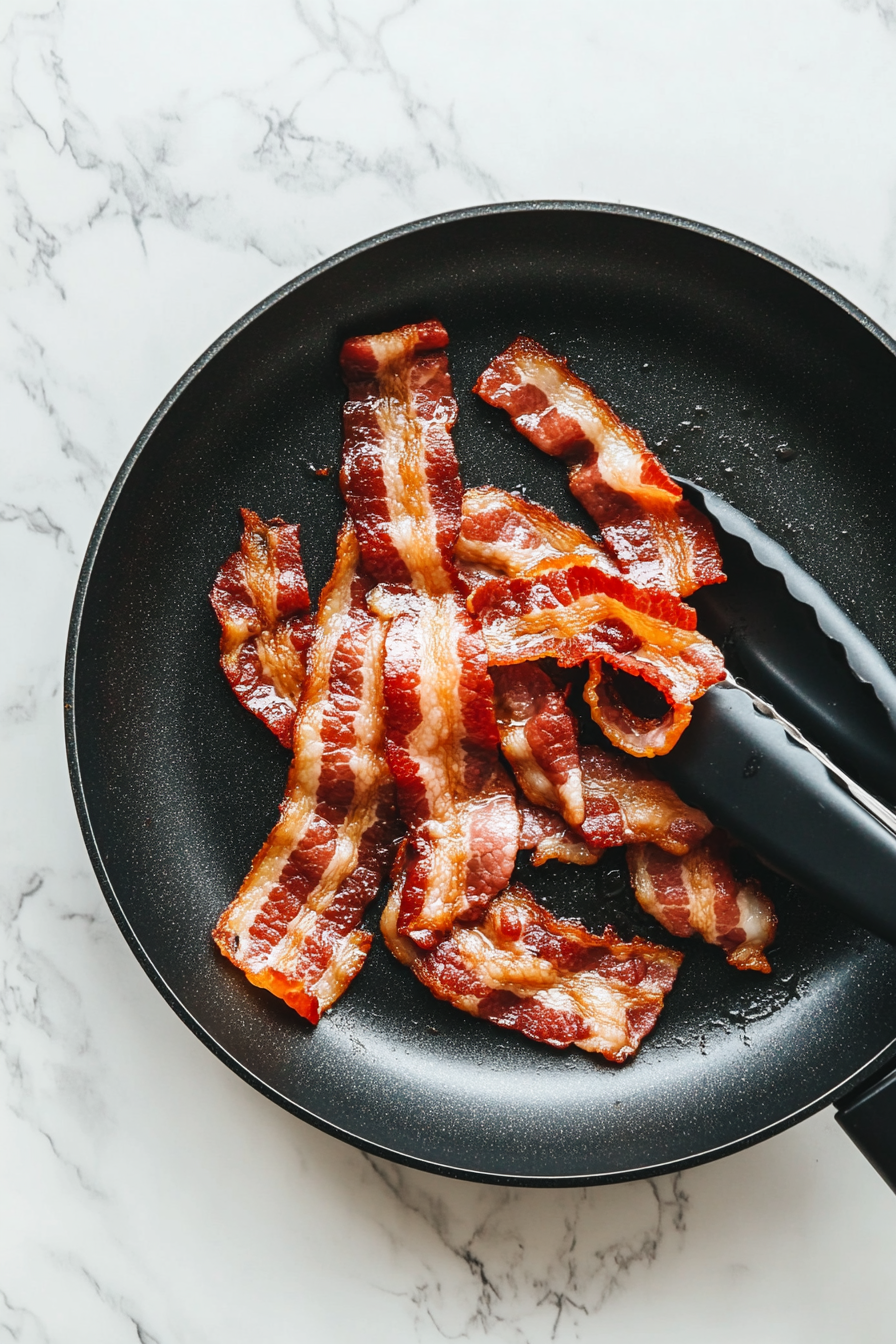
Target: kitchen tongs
x: 862, y: 796
x: 795, y: 752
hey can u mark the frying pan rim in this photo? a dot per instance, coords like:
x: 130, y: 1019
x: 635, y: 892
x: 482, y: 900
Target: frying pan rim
x: 70, y: 681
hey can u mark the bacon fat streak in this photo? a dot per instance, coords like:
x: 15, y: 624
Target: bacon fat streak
x: 260, y: 598
x: 293, y: 927
x: 548, y: 978
x: 656, y: 537
x: 697, y: 893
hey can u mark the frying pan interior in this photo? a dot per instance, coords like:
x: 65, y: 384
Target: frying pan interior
x: 742, y: 375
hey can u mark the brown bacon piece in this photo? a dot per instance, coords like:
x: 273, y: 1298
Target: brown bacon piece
x: 698, y: 893
x: 399, y: 471
x: 577, y: 613
x: 539, y: 737
x: 293, y: 927
x: 656, y: 537
x: 442, y: 743
x: 682, y: 672
x: 547, y: 834
x: 548, y: 978
x: 260, y: 598
x: 502, y: 533
x: 625, y: 804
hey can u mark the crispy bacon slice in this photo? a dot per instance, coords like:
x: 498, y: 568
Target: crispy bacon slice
x: 502, y: 533
x: 656, y: 537
x: 260, y: 598
x: 539, y: 737
x: 547, y: 834
x: 293, y: 927
x: 442, y: 742
x: 548, y: 978
x: 625, y: 804
x: 577, y: 613
x: 681, y: 672
x: 399, y: 475
x: 698, y: 893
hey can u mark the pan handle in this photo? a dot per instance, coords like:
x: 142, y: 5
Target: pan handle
x: 869, y: 1118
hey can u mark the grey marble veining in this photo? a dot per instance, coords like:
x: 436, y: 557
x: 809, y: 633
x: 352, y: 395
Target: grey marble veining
x: 164, y: 167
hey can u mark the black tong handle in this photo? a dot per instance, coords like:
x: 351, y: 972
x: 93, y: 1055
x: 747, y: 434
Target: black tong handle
x: 869, y: 1118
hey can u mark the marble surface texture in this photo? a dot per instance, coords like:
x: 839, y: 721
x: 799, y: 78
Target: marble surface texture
x: 164, y: 166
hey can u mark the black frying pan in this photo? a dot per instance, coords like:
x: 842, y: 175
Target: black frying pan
x: 746, y: 375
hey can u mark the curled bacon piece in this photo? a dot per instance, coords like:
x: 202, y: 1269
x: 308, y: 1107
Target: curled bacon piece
x: 399, y: 471
x: 548, y: 978
x: 442, y: 743
x: 539, y: 737
x: 547, y: 834
x: 293, y: 927
x: 260, y: 598
x: 698, y: 893
x: 577, y: 613
x: 656, y: 537
x: 625, y: 804
x: 682, y: 674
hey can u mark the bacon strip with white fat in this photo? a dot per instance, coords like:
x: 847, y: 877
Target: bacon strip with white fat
x: 542, y: 588
x: 582, y: 613
x: 260, y: 598
x: 293, y: 927
x: 697, y: 893
x: 502, y: 533
x: 442, y: 744
x: 402, y: 485
x: 399, y: 473
x: 656, y: 537
x: 625, y: 804
x: 548, y: 978
x: 539, y: 737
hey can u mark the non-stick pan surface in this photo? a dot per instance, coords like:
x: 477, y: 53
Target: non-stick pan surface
x: 743, y: 373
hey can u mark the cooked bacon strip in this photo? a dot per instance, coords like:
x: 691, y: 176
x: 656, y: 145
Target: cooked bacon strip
x: 399, y: 471
x: 625, y: 804
x: 577, y: 613
x: 682, y: 674
x: 502, y: 533
x: 548, y: 978
x: 539, y: 737
x: 401, y: 482
x: 657, y: 537
x: 293, y: 927
x: 260, y: 598
x: 545, y: 832
x: 698, y: 893
x: 442, y: 743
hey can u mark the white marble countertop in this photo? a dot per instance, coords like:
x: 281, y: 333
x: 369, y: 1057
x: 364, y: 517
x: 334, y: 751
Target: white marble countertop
x: 165, y: 166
